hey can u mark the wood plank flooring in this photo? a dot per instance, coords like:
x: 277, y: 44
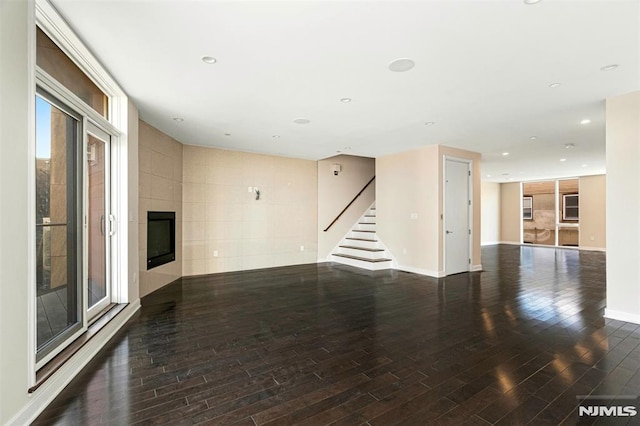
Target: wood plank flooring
x: 331, y: 344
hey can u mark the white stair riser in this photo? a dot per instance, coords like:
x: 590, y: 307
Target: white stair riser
x: 365, y: 235
x: 377, y: 266
x: 362, y: 253
x: 357, y: 243
x: 368, y: 219
x: 366, y: 227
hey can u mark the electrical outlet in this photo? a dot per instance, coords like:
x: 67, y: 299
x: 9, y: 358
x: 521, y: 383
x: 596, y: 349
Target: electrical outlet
x: 301, y: 248
x: 250, y: 189
x: 215, y: 253
x: 592, y: 238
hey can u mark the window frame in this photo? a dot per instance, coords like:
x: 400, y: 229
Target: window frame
x: 524, y: 215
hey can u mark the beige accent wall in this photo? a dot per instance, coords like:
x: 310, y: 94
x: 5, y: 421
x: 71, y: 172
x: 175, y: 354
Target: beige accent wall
x: 221, y: 215
x: 133, y: 243
x: 623, y: 207
x: 510, y: 217
x: 490, y: 208
x: 160, y: 189
x: 593, y: 215
x: 335, y: 192
x: 409, y: 201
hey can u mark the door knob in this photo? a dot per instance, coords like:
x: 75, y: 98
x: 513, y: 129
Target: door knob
x: 449, y: 232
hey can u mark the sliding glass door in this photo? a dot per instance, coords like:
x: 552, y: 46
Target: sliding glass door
x: 59, y: 295
x: 73, y: 224
x: 99, y: 223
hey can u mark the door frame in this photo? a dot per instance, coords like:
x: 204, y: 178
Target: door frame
x: 443, y: 216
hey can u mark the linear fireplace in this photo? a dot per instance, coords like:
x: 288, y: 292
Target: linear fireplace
x: 161, y: 238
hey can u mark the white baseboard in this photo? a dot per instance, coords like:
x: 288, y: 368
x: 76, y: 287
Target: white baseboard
x: 621, y: 316
x: 593, y: 248
x: 491, y: 243
x: 512, y: 243
x: 420, y: 271
x: 45, y: 394
x: 476, y: 268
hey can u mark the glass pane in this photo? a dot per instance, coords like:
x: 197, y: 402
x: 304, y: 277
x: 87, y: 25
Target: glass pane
x: 56, y: 254
x: 57, y: 64
x: 541, y: 228
x: 97, y: 227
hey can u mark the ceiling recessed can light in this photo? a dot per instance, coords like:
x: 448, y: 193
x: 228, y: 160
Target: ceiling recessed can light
x: 533, y: 138
x: 569, y: 145
x: 429, y: 123
x: 345, y: 100
x: 609, y: 67
x: 209, y: 60
x: 554, y: 85
x: 584, y: 165
x: 532, y: 1
x: 505, y: 154
x: 178, y: 119
x: 585, y: 121
x: 563, y: 159
x: 227, y: 134
x: 301, y: 121
x: 275, y: 136
x: 401, y: 65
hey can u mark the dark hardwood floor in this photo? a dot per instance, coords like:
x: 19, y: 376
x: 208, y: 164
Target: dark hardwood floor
x: 321, y: 344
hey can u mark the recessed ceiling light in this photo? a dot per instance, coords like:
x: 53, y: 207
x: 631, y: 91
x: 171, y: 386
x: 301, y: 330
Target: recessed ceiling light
x: 488, y: 175
x: 533, y: 138
x: 505, y: 153
x: 347, y: 148
x: 584, y: 165
x: 505, y: 174
x: 275, y: 136
x: 554, y: 85
x: 429, y: 123
x: 345, y: 100
x: 401, y: 65
x: 301, y: 121
x: 569, y: 145
x: 178, y: 119
x: 227, y: 134
x: 563, y: 159
x: 585, y: 121
x: 209, y: 60
x: 609, y: 67
x: 532, y: 1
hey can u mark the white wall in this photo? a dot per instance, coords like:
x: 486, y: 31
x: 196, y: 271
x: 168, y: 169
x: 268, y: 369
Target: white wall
x: 623, y: 207
x: 490, y: 213
x: 16, y: 83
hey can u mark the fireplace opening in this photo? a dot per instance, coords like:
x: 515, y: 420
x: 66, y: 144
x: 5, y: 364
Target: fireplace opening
x: 161, y: 238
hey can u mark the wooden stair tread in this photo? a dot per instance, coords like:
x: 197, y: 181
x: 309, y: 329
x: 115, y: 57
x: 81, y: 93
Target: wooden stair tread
x: 362, y: 239
x: 369, y: 215
x: 363, y: 248
x: 348, y: 256
x: 360, y: 230
x: 366, y: 223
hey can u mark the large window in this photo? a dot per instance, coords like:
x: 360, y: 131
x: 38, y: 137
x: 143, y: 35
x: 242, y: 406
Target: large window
x: 74, y: 223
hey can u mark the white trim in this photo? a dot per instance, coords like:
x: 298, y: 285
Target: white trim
x: 420, y: 271
x: 61, y: 378
x: 622, y: 316
x: 32, y: 339
x: 490, y: 243
x: 586, y: 248
x: 470, y: 207
x: 476, y: 268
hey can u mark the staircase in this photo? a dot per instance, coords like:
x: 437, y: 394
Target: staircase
x: 361, y: 247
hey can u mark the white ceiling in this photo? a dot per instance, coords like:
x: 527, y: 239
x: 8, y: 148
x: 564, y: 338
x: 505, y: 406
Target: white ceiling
x: 482, y: 74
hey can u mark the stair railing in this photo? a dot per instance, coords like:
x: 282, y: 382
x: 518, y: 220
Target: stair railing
x: 349, y: 205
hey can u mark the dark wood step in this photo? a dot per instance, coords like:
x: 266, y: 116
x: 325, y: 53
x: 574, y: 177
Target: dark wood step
x: 362, y: 239
x: 373, y: 250
x: 360, y: 230
x: 366, y: 223
x: 364, y: 259
x: 369, y: 215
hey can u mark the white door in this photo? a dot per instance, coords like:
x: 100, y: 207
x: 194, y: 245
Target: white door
x: 456, y: 217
